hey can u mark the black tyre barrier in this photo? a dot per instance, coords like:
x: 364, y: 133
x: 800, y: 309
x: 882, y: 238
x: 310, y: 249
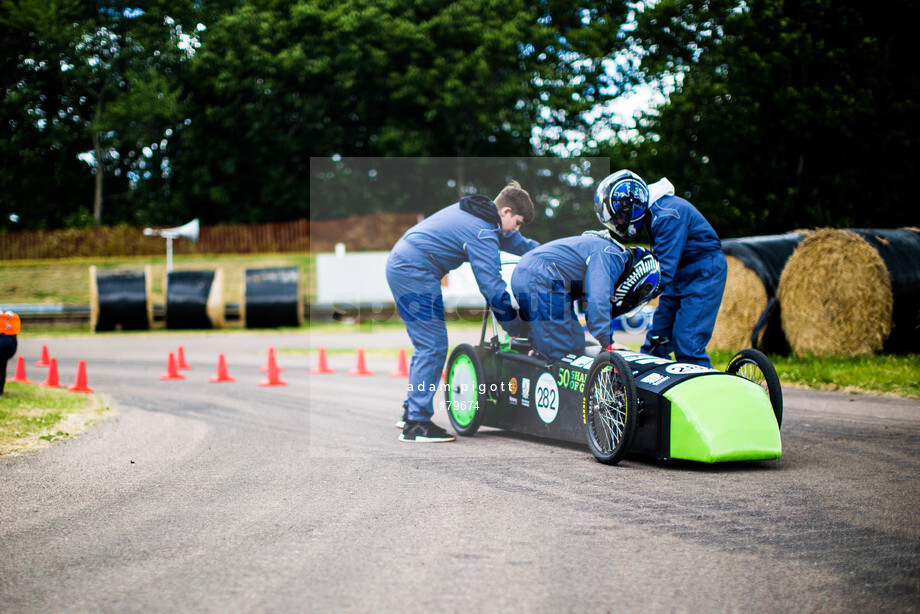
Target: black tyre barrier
x: 194, y: 299
x: 120, y: 300
x: 853, y: 291
x: 272, y: 298
x: 750, y: 315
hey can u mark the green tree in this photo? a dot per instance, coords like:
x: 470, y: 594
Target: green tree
x: 89, y: 92
x: 275, y: 84
x: 562, y: 188
x: 786, y: 114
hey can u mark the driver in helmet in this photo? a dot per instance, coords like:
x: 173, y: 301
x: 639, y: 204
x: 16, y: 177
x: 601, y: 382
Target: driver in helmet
x: 693, y: 267
x: 611, y: 278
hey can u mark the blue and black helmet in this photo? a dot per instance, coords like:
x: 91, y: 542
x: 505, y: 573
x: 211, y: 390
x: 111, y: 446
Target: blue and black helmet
x: 639, y: 283
x: 621, y: 202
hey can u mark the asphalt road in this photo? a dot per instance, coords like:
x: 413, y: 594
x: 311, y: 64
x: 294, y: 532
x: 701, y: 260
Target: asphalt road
x: 234, y: 497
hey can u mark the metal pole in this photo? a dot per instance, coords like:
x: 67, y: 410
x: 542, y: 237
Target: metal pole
x: 169, y: 254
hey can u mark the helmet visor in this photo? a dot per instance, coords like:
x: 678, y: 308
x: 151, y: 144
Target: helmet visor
x: 623, y: 220
x: 623, y: 215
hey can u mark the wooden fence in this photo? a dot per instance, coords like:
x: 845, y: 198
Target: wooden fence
x: 376, y: 232
x: 364, y: 233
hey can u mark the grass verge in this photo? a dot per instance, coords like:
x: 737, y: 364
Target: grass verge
x: 33, y: 416
x: 885, y: 374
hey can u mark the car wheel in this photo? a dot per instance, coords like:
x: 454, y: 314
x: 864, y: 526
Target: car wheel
x: 753, y: 365
x: 465, y: 392
x: 610, y: 410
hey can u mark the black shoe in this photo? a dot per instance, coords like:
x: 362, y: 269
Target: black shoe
x: 401, y: 423
x: 425, y: 432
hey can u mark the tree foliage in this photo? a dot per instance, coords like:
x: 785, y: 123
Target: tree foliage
x: 91, y: 100
x: 156, y: 112
x: 787, y: 114
x: 275, y: 84
x: 562, y: 188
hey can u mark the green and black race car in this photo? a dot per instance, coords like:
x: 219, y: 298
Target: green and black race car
x: 618, y: 402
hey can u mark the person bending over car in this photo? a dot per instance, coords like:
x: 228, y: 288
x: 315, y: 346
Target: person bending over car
x: 611, y: 278
x: 693, y: 267
x: 473, y: 230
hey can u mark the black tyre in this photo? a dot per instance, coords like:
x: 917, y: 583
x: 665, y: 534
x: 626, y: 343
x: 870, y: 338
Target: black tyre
x: 753, y: 365
x: 465, y: 393
x: 610, y: 409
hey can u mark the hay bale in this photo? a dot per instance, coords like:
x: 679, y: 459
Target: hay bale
x: 836, y: 296
x: 743, y: 301
x: 749, y: 314
x: 900, y: 249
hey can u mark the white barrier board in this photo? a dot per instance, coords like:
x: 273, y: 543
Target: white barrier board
x: 360, y: 279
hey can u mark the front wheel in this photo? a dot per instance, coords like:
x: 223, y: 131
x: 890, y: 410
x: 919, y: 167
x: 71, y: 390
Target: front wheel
x: 753, y: 365
x: 465, y: 392
x: 609, y: 408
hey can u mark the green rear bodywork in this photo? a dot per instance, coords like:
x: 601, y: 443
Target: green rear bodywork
x: 720, y: 418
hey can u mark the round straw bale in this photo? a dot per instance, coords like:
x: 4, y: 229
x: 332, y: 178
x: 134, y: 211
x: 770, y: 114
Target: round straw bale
x: 749, y: 314
x: 836, y: 296
x: 743, y: 301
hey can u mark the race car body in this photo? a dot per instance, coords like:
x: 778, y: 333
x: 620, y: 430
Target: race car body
x: 616, y: 402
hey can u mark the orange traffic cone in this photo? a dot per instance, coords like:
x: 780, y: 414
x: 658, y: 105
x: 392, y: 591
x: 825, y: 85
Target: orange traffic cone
x: 45, y: 359
x: 273, y: 379
x: 52, y: 380
x: 172, y: 369
x: 271, y: 358
x: 180, y: 359
x: 402, y: 369
x: 222, y: 375
x: 20, y: 375
x: 360, y: 368
x: 322, y: 367
x: 79, y: 384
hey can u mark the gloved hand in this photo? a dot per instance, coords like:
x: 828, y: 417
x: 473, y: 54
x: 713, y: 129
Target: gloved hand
x: 517, y: 327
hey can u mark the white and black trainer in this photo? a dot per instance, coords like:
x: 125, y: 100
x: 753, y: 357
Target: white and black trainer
x: 425, y: 432
x: 401, y: 423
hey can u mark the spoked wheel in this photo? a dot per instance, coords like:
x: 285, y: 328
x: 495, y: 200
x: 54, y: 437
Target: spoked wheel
x: 610, y: 408
x: 753, y: 365
x: 465, y: 380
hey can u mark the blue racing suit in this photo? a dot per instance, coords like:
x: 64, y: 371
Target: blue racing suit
x: 549, y: 279
x: 466, y: 231
x: 693, y: 272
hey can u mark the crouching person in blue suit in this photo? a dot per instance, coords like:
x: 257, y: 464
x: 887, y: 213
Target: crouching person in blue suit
x: 693, y: 267
x: 473, y: 230
x: 611, y: 278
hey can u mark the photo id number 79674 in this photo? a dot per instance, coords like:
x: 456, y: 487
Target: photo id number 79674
x: 461, y: 405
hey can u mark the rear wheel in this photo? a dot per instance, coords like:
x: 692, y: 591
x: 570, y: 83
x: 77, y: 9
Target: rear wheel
x: 753, y: 365
x: 465, y: 380
x: 610, y: 408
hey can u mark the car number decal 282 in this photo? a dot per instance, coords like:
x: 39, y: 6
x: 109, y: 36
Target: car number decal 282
x: 546, y: 398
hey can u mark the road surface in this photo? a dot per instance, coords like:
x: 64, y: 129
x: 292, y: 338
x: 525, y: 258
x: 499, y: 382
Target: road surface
x: 235, y: 497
